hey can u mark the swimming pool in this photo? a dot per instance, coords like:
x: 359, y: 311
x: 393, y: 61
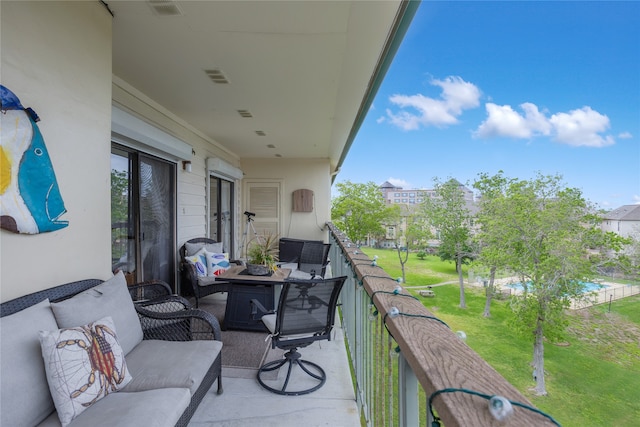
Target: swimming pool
x: 588, y: 286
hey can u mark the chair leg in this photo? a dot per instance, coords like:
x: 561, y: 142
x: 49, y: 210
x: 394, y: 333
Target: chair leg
x: 292, y: 358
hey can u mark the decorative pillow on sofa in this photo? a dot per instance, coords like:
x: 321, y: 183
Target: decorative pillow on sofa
x: 199, y: 261
x: 83, y: 365
x: 194, y: 248
x: 217, y: 263
x: 110, y: 298
x: 24, y: 393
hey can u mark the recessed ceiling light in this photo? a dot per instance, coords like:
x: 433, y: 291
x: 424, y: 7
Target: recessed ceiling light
x: 217, y: 76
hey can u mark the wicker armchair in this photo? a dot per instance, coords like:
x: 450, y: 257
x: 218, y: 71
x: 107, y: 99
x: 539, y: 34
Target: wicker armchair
x: 191, y: 284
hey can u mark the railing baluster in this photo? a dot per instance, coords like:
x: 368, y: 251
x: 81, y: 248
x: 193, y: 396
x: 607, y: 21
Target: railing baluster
x: 390, y: 397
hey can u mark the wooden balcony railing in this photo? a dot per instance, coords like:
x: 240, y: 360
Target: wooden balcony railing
x: 403, y: 356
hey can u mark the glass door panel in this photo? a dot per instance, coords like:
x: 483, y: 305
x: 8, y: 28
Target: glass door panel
x: 221, y: 213
x: 123, y: 229
x: 157, y: 220
x: 142, y: 216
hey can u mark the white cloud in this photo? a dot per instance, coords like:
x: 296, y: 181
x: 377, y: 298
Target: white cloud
x: 399, y: 182
x: 504, y: 121
x: 636, y: 199
x: 583, y: 127
x: 625, y: 135
x: 457, y: 96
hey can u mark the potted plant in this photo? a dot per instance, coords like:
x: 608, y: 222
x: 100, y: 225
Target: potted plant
x: 262, y: 255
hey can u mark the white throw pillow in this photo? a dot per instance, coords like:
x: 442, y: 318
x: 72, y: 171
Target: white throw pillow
x: 217, y: 263
x: 199, y: 261
x: 83, y: 365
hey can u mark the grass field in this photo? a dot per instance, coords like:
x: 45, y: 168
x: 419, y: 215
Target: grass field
x: 592, y: 376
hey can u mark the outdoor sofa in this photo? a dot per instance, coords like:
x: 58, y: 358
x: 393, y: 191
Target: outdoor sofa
x: 102, y: 360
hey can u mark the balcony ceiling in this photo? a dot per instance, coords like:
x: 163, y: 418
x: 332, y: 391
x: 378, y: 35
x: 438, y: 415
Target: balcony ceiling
x: 302, y: 69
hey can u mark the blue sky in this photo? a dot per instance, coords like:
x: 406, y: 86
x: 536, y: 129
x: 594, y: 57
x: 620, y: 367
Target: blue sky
x: 523, y: 87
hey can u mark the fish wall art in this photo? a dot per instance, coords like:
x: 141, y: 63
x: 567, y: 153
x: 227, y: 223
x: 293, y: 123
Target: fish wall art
x: 30, y: 200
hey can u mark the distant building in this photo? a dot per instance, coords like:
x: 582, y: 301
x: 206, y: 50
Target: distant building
x: 409, y: 199
x: 624, y: 221
x: 414, y: 196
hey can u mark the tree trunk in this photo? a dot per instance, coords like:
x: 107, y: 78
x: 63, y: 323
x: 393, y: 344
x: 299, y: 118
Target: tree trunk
x: 489, y: 292
x: 402, y: 263
x: 463, y: 303
x: 538, y: 361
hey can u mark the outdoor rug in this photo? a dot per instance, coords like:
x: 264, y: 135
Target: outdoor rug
x: 243, y: 352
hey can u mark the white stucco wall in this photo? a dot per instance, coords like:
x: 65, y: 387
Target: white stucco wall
x: 312, y: 174
x: 56, y: 57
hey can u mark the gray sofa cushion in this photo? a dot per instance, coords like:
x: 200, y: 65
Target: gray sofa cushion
x: 110, y: 298
x: 24, y: 391
x: 158, y: 364
x: 156, y: 408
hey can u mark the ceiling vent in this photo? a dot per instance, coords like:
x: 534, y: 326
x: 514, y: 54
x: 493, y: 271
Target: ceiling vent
x: 217, y: 76
x: 165, y: 8
x: 245, y: 113
x: 261, y: 133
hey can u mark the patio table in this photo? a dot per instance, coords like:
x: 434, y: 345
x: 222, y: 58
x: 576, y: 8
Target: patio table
x: 245, y: 287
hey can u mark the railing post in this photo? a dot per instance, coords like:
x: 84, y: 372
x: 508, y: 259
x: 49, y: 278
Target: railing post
x: 408, y: 394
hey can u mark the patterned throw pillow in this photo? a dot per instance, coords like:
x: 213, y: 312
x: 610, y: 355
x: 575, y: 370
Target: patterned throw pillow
x: 217, y: 263
x: 83, y: 365
x: 199, y: 261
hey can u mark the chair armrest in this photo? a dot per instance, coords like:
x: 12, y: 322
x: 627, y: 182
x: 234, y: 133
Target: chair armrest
x: 184, y: 325
x: 256, y: 307
x: 149, y: 290
x: 168, y: 304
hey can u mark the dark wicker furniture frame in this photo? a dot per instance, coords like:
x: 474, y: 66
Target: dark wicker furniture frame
x: 189, y: 284
x: 163, y: 316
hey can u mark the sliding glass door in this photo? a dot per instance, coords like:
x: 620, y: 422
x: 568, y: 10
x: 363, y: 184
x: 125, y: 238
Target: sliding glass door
x: 143, y: 206
x: 221, y: 228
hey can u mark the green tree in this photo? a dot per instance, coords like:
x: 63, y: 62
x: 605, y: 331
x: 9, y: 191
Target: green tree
x: 449, y: 215
x: 360, y: 211
x: 492, y: 190
x: 413, y: 234
x: 544, y: 233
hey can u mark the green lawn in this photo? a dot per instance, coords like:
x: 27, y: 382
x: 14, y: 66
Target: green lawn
x: 592, y: 377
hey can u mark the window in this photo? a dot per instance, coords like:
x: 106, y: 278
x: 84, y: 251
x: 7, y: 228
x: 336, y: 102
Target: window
x: 221, y: 213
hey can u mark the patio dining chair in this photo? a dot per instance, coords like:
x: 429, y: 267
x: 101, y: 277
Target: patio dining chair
x: 298, y: 322
x: 314, y: 258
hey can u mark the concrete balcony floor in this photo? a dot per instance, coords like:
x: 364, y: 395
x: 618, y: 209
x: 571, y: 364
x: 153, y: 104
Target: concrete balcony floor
x: 245, y: 403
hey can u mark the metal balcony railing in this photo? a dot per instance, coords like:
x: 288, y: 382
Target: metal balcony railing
x: 406, y: 361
